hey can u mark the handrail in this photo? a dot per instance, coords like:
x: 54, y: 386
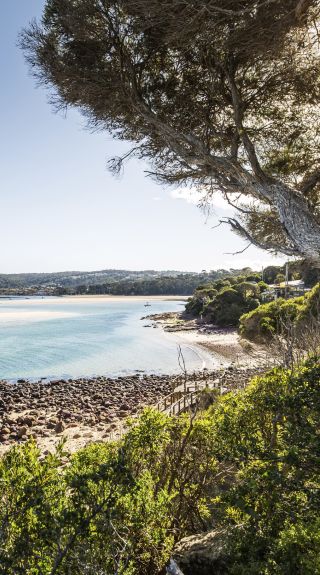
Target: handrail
x: 173, y: 406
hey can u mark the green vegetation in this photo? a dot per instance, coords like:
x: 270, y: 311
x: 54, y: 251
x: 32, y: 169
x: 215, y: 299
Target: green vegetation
x: 223, y: 302
x: 113, y: 282
x: 249, y: 465
x: 279, y: 316
x: 146, y: 282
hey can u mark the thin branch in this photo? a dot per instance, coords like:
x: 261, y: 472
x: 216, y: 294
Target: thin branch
x: 240, y: 251
x: 237, y: 227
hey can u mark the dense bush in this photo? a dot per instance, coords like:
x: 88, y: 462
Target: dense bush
x: 110, y: 508
x: 280, y: 315
x: 269, y: 435
x: 249, y: 465
x: 224, y: 301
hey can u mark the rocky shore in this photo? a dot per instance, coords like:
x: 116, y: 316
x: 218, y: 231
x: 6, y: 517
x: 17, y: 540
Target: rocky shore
x: 85, y: 409
x: 79, y: 409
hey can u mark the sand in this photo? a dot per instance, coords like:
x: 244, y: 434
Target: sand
x: 226, y: 346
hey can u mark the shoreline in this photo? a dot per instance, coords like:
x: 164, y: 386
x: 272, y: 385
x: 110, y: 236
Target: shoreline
x: 96, y: 297
x: 88, y: 410
x: 224, y: 344
x: 82, y: 410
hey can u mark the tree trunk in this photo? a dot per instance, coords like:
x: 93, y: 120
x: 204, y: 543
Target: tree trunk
x: 299, y: 223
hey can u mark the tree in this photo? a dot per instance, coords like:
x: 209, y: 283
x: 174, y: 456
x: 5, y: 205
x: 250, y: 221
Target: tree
x: 219, y: 94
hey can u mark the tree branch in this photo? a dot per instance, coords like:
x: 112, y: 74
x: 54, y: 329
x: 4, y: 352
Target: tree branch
x: 237, y: 227
x: 239, y: 251
x: 310, y: 182
x: 243, y: 134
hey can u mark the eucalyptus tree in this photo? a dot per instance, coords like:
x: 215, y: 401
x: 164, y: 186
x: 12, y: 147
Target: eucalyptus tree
x: 222, y: 95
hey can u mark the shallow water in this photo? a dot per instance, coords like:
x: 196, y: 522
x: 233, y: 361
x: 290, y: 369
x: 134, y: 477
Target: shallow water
x: 56, y: 337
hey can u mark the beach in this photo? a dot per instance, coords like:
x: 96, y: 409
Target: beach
x: 80, y: 410
x: 86, y: 410
x: 224, y: 344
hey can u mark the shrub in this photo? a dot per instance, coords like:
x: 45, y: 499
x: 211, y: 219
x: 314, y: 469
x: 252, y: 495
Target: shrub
x: 248, y: 466
x: 270, y: 318
x: 268, y: 435
x: 115, y: 508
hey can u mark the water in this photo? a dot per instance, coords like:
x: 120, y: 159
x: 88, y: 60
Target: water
x: 65, y: 337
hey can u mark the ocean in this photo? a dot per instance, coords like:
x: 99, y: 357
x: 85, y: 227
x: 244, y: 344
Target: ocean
x: 74, y: 337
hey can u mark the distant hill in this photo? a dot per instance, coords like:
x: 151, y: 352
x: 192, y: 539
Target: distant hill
x: 75, y: 278
x: 110, y: 281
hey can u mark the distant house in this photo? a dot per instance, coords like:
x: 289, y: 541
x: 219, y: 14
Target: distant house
x: 288, y: 289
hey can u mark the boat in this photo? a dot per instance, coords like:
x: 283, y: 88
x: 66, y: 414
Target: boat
x: 147, y: 304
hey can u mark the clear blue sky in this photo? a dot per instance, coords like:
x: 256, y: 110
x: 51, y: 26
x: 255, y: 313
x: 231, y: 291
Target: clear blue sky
x: 60, y: 207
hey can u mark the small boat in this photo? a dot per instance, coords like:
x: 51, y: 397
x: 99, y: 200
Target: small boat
x: 147, y: 304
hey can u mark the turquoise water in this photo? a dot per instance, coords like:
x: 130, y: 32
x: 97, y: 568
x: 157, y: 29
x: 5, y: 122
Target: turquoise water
x: 57, y: 337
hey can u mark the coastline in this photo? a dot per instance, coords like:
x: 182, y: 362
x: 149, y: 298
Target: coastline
x: 88, y: 410
x: 92, y: 298
x: 225, y: 345
x: 93, y: 409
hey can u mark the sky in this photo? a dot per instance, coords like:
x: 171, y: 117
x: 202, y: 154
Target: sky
x: 62, y: 210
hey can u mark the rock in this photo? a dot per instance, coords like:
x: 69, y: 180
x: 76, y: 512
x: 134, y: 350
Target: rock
x: 203, y: 554
x: 21, y: 432
x: 51, y: 425
x: 173, y: 569
x: 60, y: 427
x: 124, y: 407
x: 4, y: 431
x: 29, y: 421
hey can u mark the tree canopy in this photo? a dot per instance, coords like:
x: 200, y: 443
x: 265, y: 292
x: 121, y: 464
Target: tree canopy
x: 218, y: 94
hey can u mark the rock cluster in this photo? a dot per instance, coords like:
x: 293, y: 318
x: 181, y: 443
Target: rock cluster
x: 99, y: 404
x: 45, y: 408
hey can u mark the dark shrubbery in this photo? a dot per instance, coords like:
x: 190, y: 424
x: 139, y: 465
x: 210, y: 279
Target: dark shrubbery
x: 224, y: 301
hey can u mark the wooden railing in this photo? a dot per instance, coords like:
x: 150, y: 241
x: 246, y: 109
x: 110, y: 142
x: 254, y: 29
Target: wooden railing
x: 176, y: 402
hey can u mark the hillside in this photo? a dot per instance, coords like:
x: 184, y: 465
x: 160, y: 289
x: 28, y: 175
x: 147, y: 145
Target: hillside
x: 109, y: 281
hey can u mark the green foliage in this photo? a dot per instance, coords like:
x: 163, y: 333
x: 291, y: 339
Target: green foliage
x: 280, y: 278
x: 223, y: 302
x: 269, y: 434
x: 114, y: 508
x: 263, y: 286
x: 249, y: 466
x: 280, y: 315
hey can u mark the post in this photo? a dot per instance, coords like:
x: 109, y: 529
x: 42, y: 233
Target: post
x: 286, y: 281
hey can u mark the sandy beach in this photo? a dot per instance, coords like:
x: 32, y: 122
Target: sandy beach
x: 225, y: 344
x: 90, y: 298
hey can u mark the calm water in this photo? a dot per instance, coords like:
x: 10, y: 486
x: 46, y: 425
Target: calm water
x: 56, y: 337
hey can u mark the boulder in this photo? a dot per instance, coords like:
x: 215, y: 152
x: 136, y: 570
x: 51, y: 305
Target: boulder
x: 21, y: 432
x: 203, y: 554
x: 60, y: 427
